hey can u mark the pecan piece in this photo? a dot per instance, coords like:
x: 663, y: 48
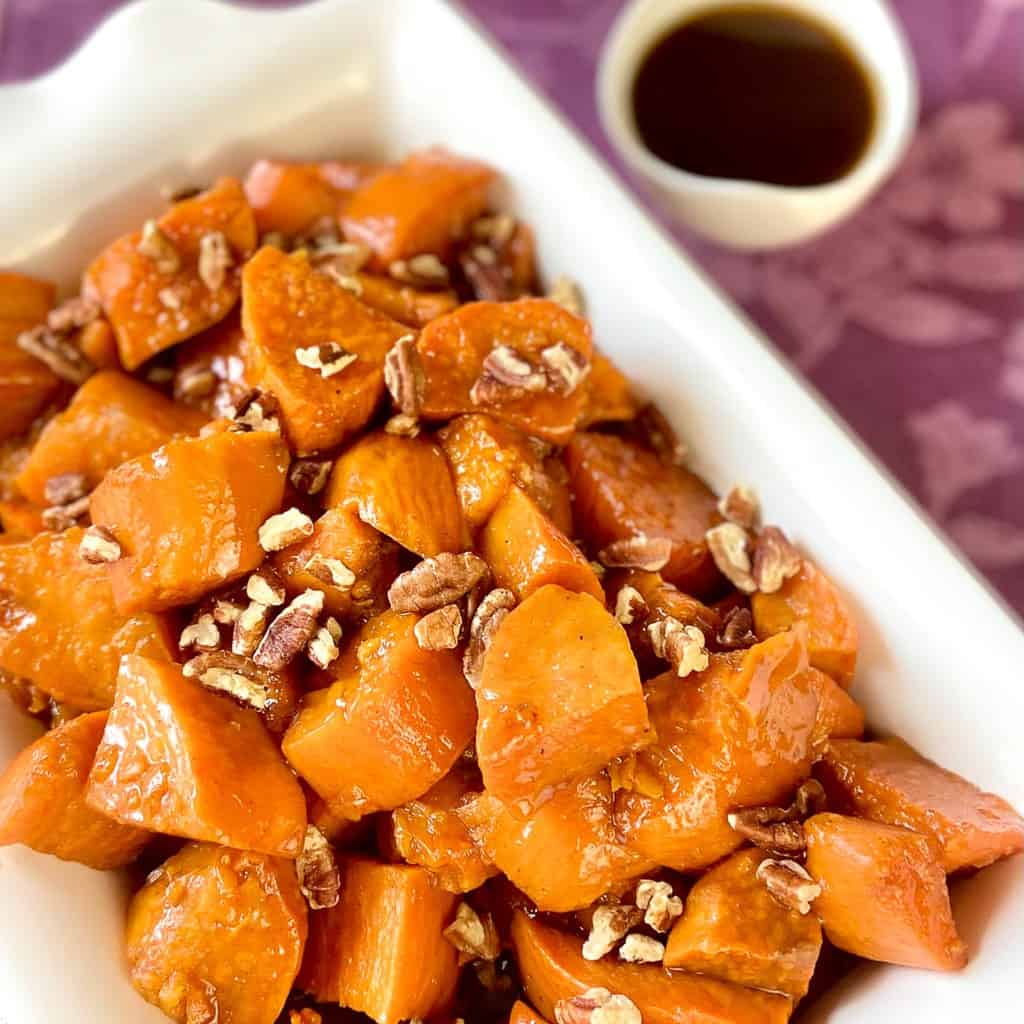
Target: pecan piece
x: 72, y: 314
x: 487, y: 617
x: 256, y: 410
x: 473, y: 934
x: 285, y: 528
x: 309, y: 476
x: 403, y: 375
x: 319, y: 878
x: 290, y: 632
x: 642, y: 949
x: 98, y: 546
x: 740, y: 506
x: 329, y: 358
x: 60, y: 355
x: 422, y: 271
x: 628, y: 605
x: 681, y: 646
x: 790, y: 883
x: 488, y: 275
x: 639, y: 552
x: 440, y: 629
x: 323, y: 648
x: 332, y: 571
x: 249, y: 628
x: 496, y: 229
x: 229, y: 673
x: 342, y: 258
x: 202, y: 634
x: 608, y: 926
x: 505, y: 374
x: 155, y: 244
x: 659, y: 904
x: 656, y: 433
x: 195, y: 382
x: 215, y: 259
x: 728, y: 544
x: 737, y: 630
x: 566, y: 292
x: 782, y: 838
x: 401, y: 425
x: 597, y: 1006
x: 62, y: 517
x: 437, y: 581
x: 775, y: 560
x: 567, y: 368
x: 266, y: 586
x: 64, y: 488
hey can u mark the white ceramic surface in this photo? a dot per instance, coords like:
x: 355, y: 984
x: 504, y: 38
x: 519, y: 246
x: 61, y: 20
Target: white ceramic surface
x: 82, y: 155
x: 747, y: 214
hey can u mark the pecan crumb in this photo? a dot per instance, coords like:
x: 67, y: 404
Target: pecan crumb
x: 567, y: 368
x: 290, y: 632
x: 342, y: 257
x: 329, y: 358
x: 496, y: 229
x: 473, y: 934
x: 628, y: 605
x: 566, y: 292
x: 350, y: 282
x: 62, y: 517
x: 424, y: 270
x: 249, y: 628
x: 215, y: 259
x: 256, y: 410
x: 740, y: 505
x: 401, y: 425
x: 505, y: 374
x: 660, y: 906
x: 756, y: 824
x: 597, y: 1006
x: 790, y: 883
x: 657, y: 433
x: 226, y: 612
x: 98, y: 546
x: 437, y: 581
x: 403, y: 375
x: 737, y: 631
x: 64, y: 488
x: 488, y: 275
x: 728, y: 543
x: 775, y: 560
x: 285, y: 528
x: 487, y: 617
x: 266, y: 586
x: 641, y: 949
x: 683, y: 647
x: 195, y: 382
x: 309, y: 476
x: 202, y: 634
x: 440, y: 629
x: 331, y: 570
x: 608, y: 926
x: 639, y: 552
x: 170, y: 298
x: 72, y: 314
x: 155, y: 244
x: 56, y: 352
x: 319, y: 878
x: 229, y: 673
x: 323, y: 648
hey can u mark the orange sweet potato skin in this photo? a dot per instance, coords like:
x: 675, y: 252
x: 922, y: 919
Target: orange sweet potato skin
x: 888, y: 781
x: 217, y: 935
x: 42, y: 800
x: 129, y: 284
x: 181, y: 759
x: 552, y: 968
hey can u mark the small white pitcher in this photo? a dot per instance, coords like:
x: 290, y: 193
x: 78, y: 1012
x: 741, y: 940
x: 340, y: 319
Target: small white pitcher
x: 750, y: 214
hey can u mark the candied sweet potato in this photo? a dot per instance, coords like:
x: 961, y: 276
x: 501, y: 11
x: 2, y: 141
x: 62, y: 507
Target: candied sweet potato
x: 217, y: 935
x: 380, y: 949
x: 812, y: 598
x: 621, y: 490
x: 209, y: 369
x: 883, y: 892
x: 98, y: 344
x: 151, y: 305
x: 734, y: 929
x: 552, y: 969
x: 42, y: 800
x: 403, y: 487
x: 890, y: 782
x: 187, y: 515
x: 20, y: 519
x: 181, y: 759
x: 560, y: 696
x: 288, y: 305
x: 839, y: 715
x: 610, y: 396
x: 523, y: 1014
x: 452, y: 351
x: 59, y: 626
x: 112, y: 418
x: 401, y: 302
x: 402, y: 717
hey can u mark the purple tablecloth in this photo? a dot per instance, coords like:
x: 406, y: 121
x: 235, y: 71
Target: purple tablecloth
x: 909, y: 317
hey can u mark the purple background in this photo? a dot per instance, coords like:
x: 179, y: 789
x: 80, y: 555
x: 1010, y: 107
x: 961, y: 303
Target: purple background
x: 909, y: 317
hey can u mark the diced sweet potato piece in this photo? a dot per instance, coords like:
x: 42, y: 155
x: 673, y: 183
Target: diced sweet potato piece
x: 187, y: 515
x: 380, y: 949
x: 812, y: 598
x: 883, y: 893
x: 420, y: 206
x: 152, y: 306
x: 288, y: 305
x: 890, y: 782
x: 738, y: 734
x: 564, y: 854
x: 99, y: 344
x: 429, y: 832
x: 403, y: 487
x: 609, y: 394
x: 453, y: 348
x: 20, y: 519
x: 526, y: 551
x: 839, y: 715
x: 734, y: 929
x: 523, y: 1014
x: 621, y: 490
x: 42, y: 800
x: 112, y: 418
x: 181, y: 759
x: 407, y: 305
x: 59, y: 626
x: 402, y: 718
x: 552, y: 969
x: 560, y: 696
x: 209, y: 370
x: 217, y: 935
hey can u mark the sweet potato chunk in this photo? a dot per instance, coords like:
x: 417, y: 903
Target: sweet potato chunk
x: 812, y: 598
x: 420, y: 206
x: 552, y: 969
x: 402, y: 717
x: 526, y: 551
x: 98, y: 344
x: 187, y: 515
x: 380, y: 950
x: 890, y: 782
x: 20, y: 519
x: 839, y: 715
x: 42, y: 800
x: 403, y: 487
x: 287, y: 305
x: 453, y: 348
x: 59, y: 626
x: 217, y: 935
x: 621, y: 490
x: 209, y: 370
x: 883, y: 893
x: 111, y: 419
x: 523, y: 1014
x: 407, y: 305
x: 151, y: 305
x: 181, y: 759
x: 609, y: 394
x: 734, y: 929
x: 738, y: 734
x: 560, y: 696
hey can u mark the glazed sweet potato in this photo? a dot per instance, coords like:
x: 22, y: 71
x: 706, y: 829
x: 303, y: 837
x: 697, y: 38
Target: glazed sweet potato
x: 883, y: 893
x: 553, y: 969
x: 59, y: 626
x: 734, y: 929
x: 20, y: 519
x: 98, y: 344
x: 738, y: 734
x: 181, y: 759
x: 217, y: 935
x: 523, y: 1014
x: 155, y: 301
x: 420, y: 206
x: 812, y: 598
x: 209, y: 369
x: 839, y: 715
x: 111, y: 419
x: 403, y: 487
x: 380, y: 949
x: 610, y: 396
x: 42, y: 800
x: 621, y: 490
x: 560, y: 696
x: 187, y: 515
x: 888, y: 781
x: 402, y: 717
x: 407, y: 305
x: 455, y: 351
x: 288, y: 305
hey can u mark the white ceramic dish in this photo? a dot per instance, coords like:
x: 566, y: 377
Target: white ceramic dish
x: 178, y: 92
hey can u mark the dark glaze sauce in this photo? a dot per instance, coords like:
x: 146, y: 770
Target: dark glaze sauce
x: 756, y: 92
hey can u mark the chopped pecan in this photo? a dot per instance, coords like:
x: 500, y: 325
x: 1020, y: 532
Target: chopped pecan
x: 291, y: 631
x: 639, y: 552
x: 170, y: 298
x: 609, y: 924
x: 496, y: 229
x: 226, y: 612
x: 782, y: 838
x: 597, y: 1006
x: 319, y: 878
x: 266, y: 586
x: 72, y: 314
x: 737, y: 630
x: 195, y: 382
x: 628, y: 605
x: 342, y: 257
x: 285, y: 528
x: 323, y: 648
x: 232, y: 674
x: 256, y: 410
x: 659, y: 904
x: 809, y: 799
x: 309, y: 476
x: 437, y: 581
x: 505, y: 374
x: 728, y: 544
x: 215, y: 259
x: 350, y: 282
x: 775, y: 560
x: 740, y: 505
x: 64, y: 488
x: 60, y: 355
x: 62, y: 517
x: 155, y: 244
x: 249, y: 628
x: 440, y: 629
x: 656, y: 432
x: 488, y: 275
x: 790, y: 883
x: 332, y: 571
x: 202, y: 634
x: 566, y: 292
x: 641, y: 949
x: 329, y: 358
x: 473, y: 934
x: 422, y: 271
x: 403, y: 375
x: 681, y: 646
x: 401, y: 425
x: 98, y: 546
x: 567, y: 368
x: 487, y: 617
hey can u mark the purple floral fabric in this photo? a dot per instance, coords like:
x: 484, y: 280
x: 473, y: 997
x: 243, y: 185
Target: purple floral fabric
x: 908, y: 317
